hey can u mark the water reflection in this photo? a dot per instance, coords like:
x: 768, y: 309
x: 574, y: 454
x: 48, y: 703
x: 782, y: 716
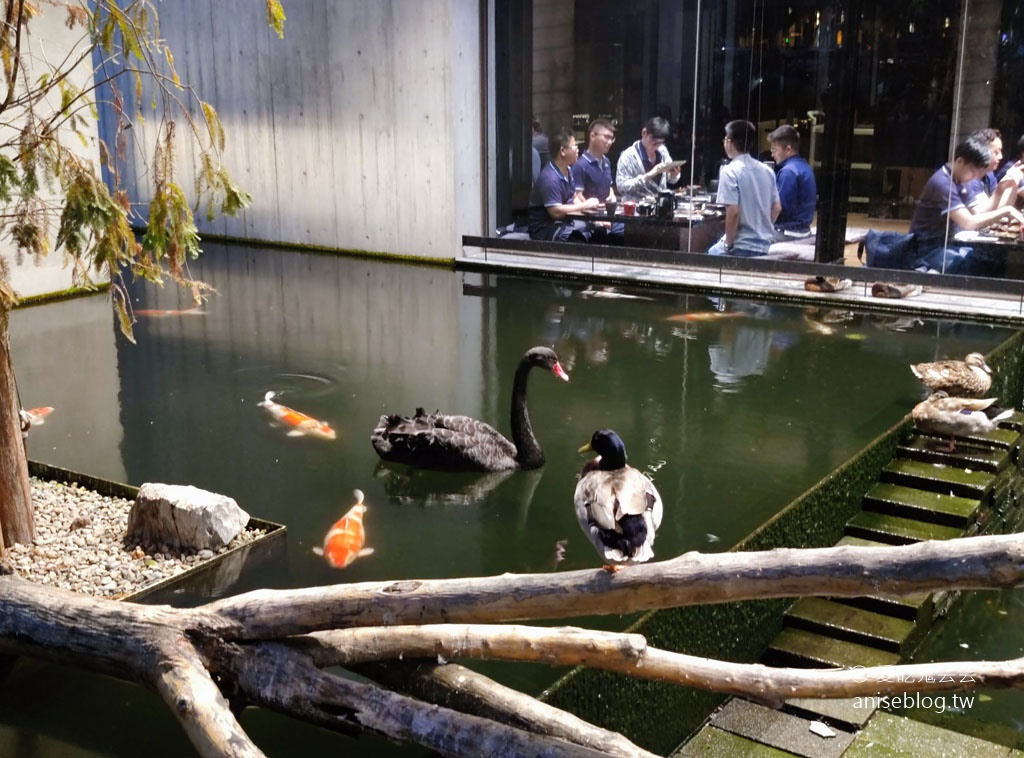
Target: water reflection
x: 346, y: 340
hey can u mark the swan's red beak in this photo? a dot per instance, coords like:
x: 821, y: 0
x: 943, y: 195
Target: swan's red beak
x: 560, y: 372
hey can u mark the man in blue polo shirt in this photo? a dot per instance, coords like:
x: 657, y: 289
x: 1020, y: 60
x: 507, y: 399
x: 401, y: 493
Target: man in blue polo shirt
x: 554, y: 197
x: 942, y: 210
x: 798, y: 191
x: 592, y: 174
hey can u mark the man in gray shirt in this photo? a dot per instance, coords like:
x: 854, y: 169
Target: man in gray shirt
x: 747, y: 189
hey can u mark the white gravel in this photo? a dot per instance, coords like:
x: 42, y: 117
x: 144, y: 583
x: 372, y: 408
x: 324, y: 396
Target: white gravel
x: 80, y: 545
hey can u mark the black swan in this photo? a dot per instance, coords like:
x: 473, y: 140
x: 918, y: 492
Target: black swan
x: 460, y: 443
x: 618, y: 507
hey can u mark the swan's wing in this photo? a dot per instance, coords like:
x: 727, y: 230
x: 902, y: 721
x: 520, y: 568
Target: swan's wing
x: 440, y: 441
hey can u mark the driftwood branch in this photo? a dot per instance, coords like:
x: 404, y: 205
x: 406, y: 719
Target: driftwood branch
x: 270, y: 648
x: 469, y: 691
x: 690, y: 579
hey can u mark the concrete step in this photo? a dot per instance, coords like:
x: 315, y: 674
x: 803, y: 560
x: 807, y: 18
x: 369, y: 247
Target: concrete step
x: 937, y: 478
x: 1005, y: 437
x: 933, y: 507
x: 710, y: 742
x: 896, y: 530
x: 778, y: 729
x: 889, y: 735
x: 849, y: 713
x: 846, y: 622
x: 966, y: 455
x: 803, y: 649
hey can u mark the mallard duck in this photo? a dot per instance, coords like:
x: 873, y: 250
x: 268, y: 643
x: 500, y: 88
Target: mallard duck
x: 951, y: 417
x: 460, y: 443
x: 971, y: 376
x: 619, y: 509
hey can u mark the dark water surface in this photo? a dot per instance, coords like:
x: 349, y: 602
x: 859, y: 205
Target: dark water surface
x: 733, y: 408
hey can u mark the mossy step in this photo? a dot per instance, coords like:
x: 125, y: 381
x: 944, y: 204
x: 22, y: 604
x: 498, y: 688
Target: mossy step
x: 1003, y: 437
x: 889, y: 735
x: 800, y: 648
x: 938, y: 478
x: 923, y: 505
x: 966, y: 454
x: 710, y: 742
x: 1015, y: 422
x: 778, y: 729
x: 846, y: 622
x: 896, y: 530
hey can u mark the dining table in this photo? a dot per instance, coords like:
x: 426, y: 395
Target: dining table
x: 692, y: 228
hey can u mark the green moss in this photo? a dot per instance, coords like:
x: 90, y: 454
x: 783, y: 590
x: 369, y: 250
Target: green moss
x: 67, y: 294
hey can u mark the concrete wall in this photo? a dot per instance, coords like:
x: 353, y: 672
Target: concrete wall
x: 361, y: 129
x: 47, y: 41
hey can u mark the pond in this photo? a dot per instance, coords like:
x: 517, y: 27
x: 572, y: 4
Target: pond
x: 733, y: 407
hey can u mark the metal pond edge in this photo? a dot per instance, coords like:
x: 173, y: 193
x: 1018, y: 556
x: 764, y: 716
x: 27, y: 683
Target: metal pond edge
x: 108, y: 488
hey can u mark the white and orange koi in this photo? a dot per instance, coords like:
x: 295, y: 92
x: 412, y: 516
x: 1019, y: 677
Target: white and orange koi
x: 300, y: 425
x: 346, y: 540
x: 35, y: 416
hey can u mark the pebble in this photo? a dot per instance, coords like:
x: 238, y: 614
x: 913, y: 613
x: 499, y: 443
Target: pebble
x: 80, y: 546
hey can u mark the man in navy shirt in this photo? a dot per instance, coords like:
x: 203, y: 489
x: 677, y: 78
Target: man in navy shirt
x: 554, y: 197
x: 592, y: 174
x: 942, y: 210
x: 798, y: 192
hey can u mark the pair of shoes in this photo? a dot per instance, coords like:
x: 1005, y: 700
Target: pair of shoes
x: 826, y: 284
x: 882, y: 289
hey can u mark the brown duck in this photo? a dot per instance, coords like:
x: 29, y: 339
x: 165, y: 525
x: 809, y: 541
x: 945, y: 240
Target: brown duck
x: 971, y: 376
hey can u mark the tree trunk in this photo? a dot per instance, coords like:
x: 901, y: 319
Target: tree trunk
x: 16, y: 522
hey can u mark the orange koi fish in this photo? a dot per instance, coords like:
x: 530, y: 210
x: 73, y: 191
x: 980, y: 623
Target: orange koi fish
x: 346, y: 539
x: 301, y: 424
x: 35, y: 416
x: 164, y: 312
x: 704, y: 316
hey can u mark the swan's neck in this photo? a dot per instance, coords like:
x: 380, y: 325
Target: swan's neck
x: 528, y: 452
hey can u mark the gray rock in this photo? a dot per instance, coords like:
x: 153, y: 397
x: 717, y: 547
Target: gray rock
x: 185, y: 517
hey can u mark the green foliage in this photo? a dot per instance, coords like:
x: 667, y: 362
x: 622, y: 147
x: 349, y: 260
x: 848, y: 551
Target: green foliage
x: 275, y: 17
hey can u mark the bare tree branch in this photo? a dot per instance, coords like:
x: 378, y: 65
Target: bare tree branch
x: 691, y: 579
x: 471, y: 692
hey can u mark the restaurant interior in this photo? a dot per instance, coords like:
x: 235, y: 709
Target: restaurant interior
x: 879, y: 91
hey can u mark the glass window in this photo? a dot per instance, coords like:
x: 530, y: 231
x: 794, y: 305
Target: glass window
x: 881, y: 94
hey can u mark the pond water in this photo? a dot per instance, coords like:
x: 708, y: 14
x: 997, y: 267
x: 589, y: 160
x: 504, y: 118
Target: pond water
x: 733, y: 407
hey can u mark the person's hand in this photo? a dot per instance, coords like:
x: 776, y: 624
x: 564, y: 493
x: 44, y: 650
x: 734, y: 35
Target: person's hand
x: 655, y: 172
x: 591, y: 203
x: 673, y: 174
x: 1014, y: 175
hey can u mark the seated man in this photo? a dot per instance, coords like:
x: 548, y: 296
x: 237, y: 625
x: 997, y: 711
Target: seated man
x: 646, y: 167
x: 747, y: 189
x: 798, y: 192
x: 942, y: 211
x: 989, y: 191
x: 553, y: 196
x: 592, y: 174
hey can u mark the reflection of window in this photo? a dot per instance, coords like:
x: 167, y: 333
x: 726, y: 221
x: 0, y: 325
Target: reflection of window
x: 888, y: 84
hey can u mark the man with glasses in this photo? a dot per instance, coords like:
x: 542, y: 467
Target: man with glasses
x: 553, y: 196
x: 592, y: 174
x: 747, y: 189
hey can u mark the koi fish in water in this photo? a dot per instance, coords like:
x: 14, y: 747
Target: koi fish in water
x: 35, y: 416
x: 164, y: 312
x: 704, y: 316
x: 300, y: 425
x: 346, y: 540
